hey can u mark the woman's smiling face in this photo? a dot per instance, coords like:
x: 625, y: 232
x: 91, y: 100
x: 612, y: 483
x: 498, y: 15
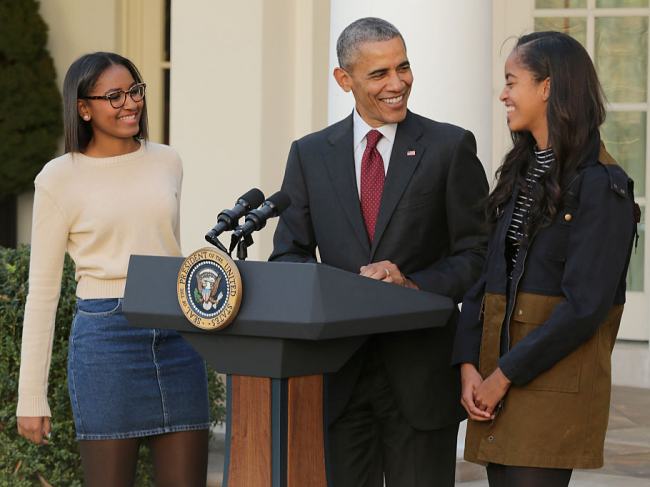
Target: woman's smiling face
x: 525, y: 99
x: 108, y: 122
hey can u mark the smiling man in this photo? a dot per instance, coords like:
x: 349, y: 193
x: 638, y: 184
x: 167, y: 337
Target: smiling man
x: 395, y: 197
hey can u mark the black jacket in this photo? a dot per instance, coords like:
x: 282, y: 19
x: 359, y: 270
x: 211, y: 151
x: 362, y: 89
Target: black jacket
x: 582, y: 256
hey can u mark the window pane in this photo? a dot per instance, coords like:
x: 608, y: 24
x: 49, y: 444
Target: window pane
x: 624, y: 135
x: 621, y: 3
x: 560, y: 3
x: 637, y: 261
x: 622, y: 57
x: 576, y: 27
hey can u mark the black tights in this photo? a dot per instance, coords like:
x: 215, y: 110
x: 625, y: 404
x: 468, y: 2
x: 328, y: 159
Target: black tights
x: 509, y: 476
x: 179, y: 460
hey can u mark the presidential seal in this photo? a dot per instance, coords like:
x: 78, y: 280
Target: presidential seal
x: 209, y: 289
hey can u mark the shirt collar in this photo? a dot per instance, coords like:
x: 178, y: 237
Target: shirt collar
x: 361, y: 129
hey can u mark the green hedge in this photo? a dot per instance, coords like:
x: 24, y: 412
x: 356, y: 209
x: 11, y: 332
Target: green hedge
x: 21, y: 461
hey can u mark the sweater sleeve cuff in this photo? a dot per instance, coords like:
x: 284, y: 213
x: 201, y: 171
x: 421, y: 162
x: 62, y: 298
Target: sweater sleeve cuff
x: 33, y: 407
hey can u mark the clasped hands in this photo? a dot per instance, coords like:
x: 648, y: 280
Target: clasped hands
x: 480, y: 397
x: 388, y: 272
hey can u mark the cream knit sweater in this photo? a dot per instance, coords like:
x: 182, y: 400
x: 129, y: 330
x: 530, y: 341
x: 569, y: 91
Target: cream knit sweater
x: 102, y: 210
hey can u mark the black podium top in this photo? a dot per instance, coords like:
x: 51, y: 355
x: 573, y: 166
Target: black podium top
x: 287, y: 300
x: 294, y: 319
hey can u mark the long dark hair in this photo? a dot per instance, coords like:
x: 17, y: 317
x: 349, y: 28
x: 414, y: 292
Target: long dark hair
x: 574, y: 112
x: 79, y: 82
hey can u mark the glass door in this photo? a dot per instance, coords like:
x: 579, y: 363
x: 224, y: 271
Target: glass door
x: 615, y: 33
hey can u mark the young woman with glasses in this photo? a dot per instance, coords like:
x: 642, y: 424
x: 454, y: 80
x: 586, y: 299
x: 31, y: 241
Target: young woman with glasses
x: 111, y: 195
x: 536, y: 332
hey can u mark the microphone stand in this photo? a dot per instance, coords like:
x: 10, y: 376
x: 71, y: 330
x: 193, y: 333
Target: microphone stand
x: 215, y: 241
x: 242, y: 245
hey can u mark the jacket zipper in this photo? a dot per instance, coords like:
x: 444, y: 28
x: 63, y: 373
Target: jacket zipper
x: 501, y: 403
x: 523, y: 266
x: 513, y: 295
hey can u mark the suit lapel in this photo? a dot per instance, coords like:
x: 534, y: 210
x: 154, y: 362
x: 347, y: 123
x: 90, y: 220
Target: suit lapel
x: 339, y: 161
x: 400, y: 171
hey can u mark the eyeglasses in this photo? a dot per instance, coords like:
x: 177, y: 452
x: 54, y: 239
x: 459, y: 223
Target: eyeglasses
x: 117, y: 99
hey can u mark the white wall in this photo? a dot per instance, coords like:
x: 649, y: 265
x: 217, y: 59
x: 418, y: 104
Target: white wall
x: 77, y: 27
x: 449, y: 46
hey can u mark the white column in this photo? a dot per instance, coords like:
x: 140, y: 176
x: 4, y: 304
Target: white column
x: 215, y: 108
x: 449, y: 45
x: 245, y: 81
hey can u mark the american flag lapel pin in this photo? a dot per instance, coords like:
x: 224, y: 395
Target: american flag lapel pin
x: 410, y: 153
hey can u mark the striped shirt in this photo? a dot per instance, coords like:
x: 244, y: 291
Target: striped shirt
x: 515, y: 235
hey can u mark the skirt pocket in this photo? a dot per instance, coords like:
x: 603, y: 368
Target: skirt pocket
x: 99, y: 307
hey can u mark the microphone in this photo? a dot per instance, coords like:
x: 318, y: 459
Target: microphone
x: 228, y: 219
x: 256, y: 219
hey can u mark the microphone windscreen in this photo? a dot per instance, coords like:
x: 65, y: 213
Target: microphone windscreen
x: 281, y: 200
x: 254, y: 197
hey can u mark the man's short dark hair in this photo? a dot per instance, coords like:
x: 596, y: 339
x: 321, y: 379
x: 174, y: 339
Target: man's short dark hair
x: 368, y: 29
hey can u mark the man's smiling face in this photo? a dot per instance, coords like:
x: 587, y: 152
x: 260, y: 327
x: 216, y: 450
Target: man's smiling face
x: 380, y: 79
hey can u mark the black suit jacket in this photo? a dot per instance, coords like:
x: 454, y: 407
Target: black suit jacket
x: 430, y: 224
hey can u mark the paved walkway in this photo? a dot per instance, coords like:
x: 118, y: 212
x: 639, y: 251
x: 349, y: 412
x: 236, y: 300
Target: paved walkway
x: 215, y: 460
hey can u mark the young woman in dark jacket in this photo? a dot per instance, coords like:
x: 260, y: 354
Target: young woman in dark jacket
x: 536, y: 332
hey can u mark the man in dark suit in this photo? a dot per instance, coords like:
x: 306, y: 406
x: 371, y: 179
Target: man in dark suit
x: 396, y: 197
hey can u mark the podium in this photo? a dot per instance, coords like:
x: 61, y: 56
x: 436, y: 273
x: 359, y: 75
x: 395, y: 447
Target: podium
x: 296, y: 322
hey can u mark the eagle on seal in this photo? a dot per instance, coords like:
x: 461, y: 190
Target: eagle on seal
x: 209, y: 287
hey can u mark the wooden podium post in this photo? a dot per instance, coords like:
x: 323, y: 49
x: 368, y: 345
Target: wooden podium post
x: 306, y: 442
x: 262, y: 452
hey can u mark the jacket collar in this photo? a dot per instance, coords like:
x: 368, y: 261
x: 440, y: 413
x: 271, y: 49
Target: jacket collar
x: 339, y: 160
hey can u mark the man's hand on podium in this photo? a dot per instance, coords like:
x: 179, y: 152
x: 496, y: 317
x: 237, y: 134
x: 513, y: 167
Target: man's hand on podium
x: 388, y: 272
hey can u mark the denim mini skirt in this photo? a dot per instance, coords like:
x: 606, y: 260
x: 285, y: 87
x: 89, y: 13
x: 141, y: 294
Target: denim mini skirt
x: 129, y: 382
